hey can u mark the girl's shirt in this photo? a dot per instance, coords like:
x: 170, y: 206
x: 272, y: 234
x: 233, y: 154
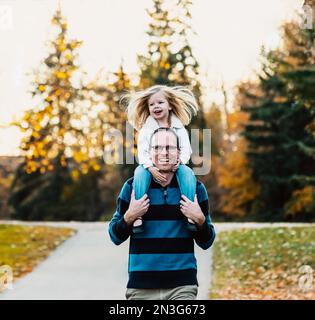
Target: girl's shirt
x: 144, y: 140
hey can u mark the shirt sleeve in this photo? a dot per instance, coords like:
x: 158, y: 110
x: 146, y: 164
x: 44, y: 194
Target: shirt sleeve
x: 205, y: 234
x: 185, y: 147
x: 143, y: 148
x: 118, y: 229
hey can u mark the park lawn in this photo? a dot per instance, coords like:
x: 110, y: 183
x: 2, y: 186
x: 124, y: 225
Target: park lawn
x: 23, y: 247
x: 263, y: 263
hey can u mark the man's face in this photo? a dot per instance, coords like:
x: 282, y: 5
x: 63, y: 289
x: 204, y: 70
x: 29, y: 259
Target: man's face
x: 164, y: 152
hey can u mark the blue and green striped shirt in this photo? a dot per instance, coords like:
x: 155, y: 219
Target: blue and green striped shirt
x: 163, y: 255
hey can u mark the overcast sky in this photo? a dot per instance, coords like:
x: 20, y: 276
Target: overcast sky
x: 227, y: 44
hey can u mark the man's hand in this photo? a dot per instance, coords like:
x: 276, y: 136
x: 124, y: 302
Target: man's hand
x: 137, y: 208
x: 192, y: 210
x: 176, y: 165
x: 157, y: 175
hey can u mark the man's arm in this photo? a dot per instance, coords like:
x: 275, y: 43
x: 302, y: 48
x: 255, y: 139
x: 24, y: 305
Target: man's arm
x: 205, y: 234
x: 119, y: 228
x: 127, y: 211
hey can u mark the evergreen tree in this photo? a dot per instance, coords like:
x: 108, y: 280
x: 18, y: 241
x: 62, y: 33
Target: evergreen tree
x: 170, y: 59
x: 281, y: 142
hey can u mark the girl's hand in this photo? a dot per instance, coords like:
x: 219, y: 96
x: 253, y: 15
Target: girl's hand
x: 159, y: 177
x: 175, y: 167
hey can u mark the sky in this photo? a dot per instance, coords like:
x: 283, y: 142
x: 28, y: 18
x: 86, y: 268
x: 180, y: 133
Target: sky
x: 229, y: 35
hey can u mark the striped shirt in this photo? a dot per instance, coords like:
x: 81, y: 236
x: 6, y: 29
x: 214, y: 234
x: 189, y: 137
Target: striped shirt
x: 163, y: 255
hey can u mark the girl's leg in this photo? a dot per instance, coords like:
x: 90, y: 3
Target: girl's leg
x: 187, y: 181
x: 141, y: 182
x: 187, y: 184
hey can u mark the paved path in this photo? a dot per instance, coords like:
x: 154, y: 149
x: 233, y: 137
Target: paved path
x: 89, y: 266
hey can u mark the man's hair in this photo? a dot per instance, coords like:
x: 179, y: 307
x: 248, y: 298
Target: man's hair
x: 165, y: 129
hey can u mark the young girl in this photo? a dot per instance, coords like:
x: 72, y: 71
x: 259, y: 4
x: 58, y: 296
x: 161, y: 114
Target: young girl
x: 162, y: 106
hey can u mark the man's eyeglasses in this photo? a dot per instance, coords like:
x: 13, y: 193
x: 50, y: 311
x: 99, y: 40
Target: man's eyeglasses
x: 167, y: 148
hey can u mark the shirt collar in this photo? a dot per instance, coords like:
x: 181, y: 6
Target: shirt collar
x: 173, y: 183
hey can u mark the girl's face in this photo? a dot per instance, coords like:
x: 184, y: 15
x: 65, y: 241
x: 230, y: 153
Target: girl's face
x: 158, y: 106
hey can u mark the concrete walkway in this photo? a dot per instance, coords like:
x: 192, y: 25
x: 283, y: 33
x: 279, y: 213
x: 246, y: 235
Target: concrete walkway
x: 89, y: 266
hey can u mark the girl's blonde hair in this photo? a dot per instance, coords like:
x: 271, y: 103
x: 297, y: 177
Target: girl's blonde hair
x: 181, y: 100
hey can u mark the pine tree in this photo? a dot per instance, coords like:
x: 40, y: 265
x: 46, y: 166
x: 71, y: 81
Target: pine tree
x: 170, y: 59
x: 281, y: 142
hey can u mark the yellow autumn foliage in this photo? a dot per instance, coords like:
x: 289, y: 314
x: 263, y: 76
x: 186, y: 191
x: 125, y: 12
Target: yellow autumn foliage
x: 235, y: 177
x: 62, y: 47
x: 302, y: 200
x: 61, y: 75
x: 75, y: 174
x: 41, y: 88
x: 79, y: 156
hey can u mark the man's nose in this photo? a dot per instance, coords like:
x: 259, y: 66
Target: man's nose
x: 164, y: 151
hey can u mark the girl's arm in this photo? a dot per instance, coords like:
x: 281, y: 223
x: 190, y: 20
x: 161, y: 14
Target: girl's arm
x: 185, y: 148
x: 143, y: 148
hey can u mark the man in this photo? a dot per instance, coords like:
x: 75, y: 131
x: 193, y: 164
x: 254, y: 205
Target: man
x: 162, y: 264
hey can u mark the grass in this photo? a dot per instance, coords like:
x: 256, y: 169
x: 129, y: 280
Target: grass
x: 23, y: 247
x: 263, y: 263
